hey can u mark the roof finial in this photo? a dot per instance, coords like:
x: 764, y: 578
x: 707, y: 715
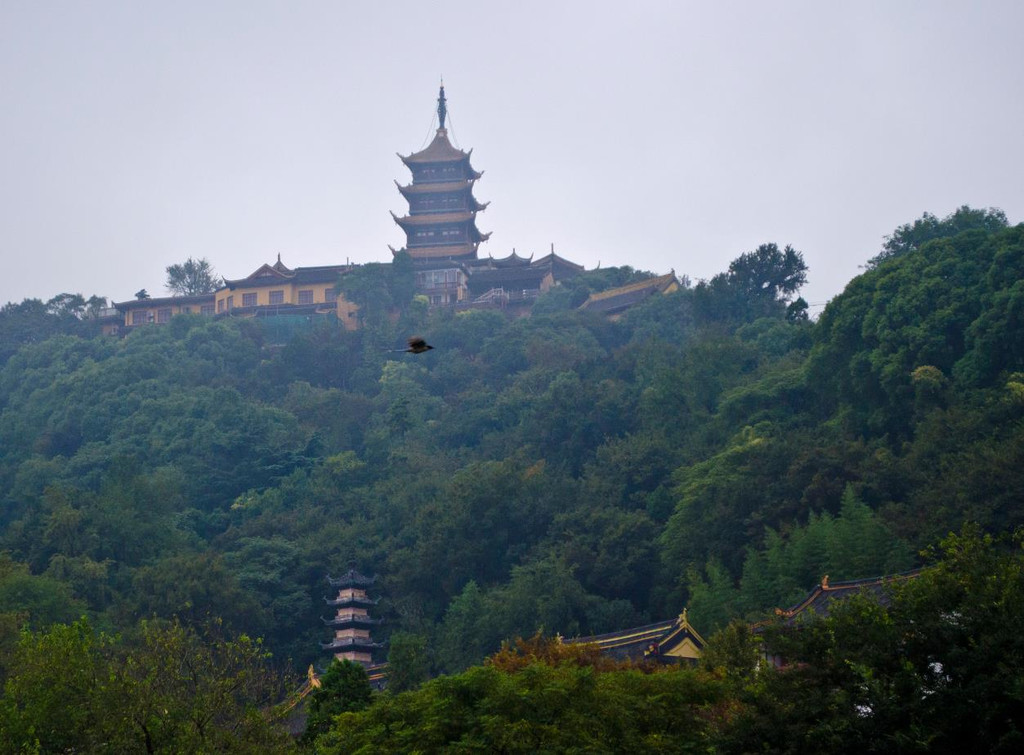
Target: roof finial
x: 442, y: 107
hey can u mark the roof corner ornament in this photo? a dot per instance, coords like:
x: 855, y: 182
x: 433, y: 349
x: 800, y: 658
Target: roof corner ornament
x: 442, y: 108
x: 824, y: 582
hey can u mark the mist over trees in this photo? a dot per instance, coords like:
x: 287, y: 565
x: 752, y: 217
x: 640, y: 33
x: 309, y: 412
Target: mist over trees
x: 713, y: 449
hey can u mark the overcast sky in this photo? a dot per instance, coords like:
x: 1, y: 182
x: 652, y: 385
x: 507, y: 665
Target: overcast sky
x: 655, y: 134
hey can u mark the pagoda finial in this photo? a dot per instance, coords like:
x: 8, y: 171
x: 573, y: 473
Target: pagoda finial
x: 442, y: 107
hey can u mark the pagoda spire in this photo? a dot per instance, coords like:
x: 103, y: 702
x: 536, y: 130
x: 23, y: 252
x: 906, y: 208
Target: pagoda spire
x: 442, y: 107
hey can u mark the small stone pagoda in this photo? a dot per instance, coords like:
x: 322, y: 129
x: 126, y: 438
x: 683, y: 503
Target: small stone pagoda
x: 351, y: 622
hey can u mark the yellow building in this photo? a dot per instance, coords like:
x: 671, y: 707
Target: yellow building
x: 279, y: 290
x: 160, y: 311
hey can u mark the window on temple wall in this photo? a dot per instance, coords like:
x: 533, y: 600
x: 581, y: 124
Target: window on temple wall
x: 248, y: 300
x: 140, y: 317
x: 330, y: 295
x: 163, y: 315
x: 277, y: 297
x: 206, y: 309
x: 186, y: 310
x: 220, y: 305
x: 306, y: 296
x: 230, y: 302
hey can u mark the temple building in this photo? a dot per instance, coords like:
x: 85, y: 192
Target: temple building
x: 671, y: 641
x: 515, y: 279
x: 351, y: 622
x: 159, y: 311
x: 275, y: 289
x: 440, y: 228
x: 615, y: 301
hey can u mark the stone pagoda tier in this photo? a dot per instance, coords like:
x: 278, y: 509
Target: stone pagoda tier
x: 351, y: 622
x: 441, y: 224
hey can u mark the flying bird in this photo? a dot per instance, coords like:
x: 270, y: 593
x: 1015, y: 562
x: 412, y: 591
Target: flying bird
x: 417, y: 346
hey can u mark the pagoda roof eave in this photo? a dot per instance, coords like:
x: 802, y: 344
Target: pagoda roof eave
x: 434, y: 218
x: 351, y: 578
x: 456, y: 253
x: 440, y: 150
x: 436, y: 187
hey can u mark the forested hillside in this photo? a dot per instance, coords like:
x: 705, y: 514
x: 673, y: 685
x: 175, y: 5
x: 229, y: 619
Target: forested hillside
x: 713, y: 448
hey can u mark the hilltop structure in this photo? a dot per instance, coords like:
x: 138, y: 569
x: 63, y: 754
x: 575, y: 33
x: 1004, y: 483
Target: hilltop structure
x: 442, y: 240
x: 441, y: 224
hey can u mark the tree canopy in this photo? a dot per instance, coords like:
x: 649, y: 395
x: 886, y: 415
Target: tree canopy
x: 192, y: 277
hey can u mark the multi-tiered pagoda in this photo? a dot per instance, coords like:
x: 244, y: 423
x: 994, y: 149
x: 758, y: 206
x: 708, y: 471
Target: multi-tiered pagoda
x: 440, y: 228
x: 351, y: 622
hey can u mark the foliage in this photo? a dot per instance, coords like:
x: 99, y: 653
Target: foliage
x: 543, y: 706
x: 875, y: 676
x: 192, y: 277
x: 344, y: 687
x: 712, y: 448
x: 171, y: 691
x: 912, y: 236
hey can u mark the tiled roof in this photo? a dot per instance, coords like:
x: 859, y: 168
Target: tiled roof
x: 626, y: 296
x: 433, y: 219
x: 440, y: 150
x: 823, y: 597
x: 164, y: 300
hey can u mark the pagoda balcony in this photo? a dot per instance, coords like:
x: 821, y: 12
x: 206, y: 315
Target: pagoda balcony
x: 351, y: 618
x: 351, y: 601
x: 351, y: 643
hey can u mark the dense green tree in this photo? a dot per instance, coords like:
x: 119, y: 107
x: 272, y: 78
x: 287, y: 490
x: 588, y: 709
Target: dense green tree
x: 540, y: 707
x: 192, y: 277
x: 894, y: 676
x: 912, y: 236
x: 344, y: 688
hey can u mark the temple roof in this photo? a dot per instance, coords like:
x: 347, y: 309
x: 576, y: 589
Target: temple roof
x: 617, y: 299
x: 665, y: 641
x: 823, y: 597
x: 278, y: 273
x: 554, y: 260
x: 164, y: 300
x: 513, y: 260
x: 440, y: 150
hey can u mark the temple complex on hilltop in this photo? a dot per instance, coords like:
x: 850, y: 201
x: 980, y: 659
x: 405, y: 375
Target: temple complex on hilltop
x: 351, y: 622
x: 443, y: 241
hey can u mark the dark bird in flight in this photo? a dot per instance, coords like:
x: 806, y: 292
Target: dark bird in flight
x: 417, y: 346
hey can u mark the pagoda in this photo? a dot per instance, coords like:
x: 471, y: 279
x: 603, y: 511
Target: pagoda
x: 351, y: 622
x: 441, y: 224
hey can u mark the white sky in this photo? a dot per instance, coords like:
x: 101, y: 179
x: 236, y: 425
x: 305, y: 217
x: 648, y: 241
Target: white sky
x: 655, y: 134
